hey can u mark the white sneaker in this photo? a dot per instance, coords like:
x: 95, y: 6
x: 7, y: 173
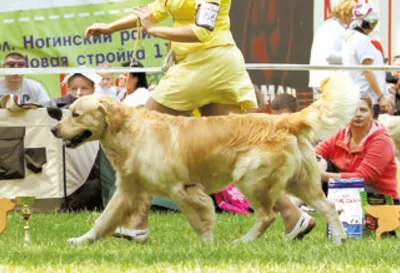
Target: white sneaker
x: 137, y: 235
x: 307, y: 209
x: 303, y: 226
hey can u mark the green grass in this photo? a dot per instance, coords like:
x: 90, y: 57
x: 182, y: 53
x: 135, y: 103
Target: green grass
x: 174, y: 247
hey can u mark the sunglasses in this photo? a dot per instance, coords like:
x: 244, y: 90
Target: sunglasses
x: 15, y: 64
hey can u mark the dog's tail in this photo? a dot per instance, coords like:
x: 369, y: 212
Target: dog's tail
x: 324, y: 117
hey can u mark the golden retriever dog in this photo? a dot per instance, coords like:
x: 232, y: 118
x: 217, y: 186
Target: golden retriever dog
x: 185, y: 159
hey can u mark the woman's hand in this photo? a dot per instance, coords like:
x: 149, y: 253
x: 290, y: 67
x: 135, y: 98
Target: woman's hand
x: 98, y: 29
x: 146, y: 18
x: 324, y: 176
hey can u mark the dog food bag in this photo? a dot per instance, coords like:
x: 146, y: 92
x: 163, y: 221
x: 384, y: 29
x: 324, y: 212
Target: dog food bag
x: 345, y: 194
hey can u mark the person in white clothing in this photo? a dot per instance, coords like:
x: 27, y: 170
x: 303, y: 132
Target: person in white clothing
x: 78, y: 85
x: 27, y: 90
x: 138, y: 98
x: 359, y: 50
x: 136, y: 86
x: 106, y: 86
x: 328, y: 42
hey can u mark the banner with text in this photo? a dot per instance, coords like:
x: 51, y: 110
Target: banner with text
x: 53, y: 37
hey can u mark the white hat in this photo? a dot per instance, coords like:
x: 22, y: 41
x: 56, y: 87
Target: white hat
x: 363, y: 12
x: 93, y: 77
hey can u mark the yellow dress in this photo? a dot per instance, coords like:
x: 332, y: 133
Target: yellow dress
x: 210, y: 71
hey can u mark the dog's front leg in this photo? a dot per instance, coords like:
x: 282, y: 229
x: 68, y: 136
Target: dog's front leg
x: 88, y: 237
x: 108, y: 220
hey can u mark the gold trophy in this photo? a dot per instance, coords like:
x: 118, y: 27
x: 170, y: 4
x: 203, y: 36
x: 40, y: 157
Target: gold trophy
x: 25, y: 206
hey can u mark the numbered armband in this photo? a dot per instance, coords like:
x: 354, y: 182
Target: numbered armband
x: 206, y: 15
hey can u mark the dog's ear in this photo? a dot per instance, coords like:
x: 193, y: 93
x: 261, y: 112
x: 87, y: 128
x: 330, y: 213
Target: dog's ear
x: 114, y: 113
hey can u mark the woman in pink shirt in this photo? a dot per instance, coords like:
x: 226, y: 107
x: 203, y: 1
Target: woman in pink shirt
x: 361, y: 150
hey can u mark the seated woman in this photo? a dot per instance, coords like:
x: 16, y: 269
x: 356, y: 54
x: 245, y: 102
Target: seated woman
x: 136, y: 91
x: 361, y: 150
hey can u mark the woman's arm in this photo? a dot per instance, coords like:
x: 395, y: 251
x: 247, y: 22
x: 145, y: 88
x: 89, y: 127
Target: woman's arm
x: 183, y: 34
x: 98, y: 29
x: 369, y: 75
x: 375, y: 160
x: 158, y: 14
x: 326, y: 147
x: 126, y: 22
x: 384, y: 102
x: 325, y: 176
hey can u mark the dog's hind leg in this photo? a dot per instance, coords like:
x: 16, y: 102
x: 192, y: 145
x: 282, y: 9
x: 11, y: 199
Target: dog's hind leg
x: 262, y: 200
x: 115, y: 211
x: 309, y: 190
x: 198, y: 208
x: 327, y: 209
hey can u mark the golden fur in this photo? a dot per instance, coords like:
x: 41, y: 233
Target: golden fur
x: 185, y: 159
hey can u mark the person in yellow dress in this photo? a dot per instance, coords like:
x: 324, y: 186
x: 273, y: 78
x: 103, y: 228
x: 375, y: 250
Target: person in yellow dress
x: 208, y: 72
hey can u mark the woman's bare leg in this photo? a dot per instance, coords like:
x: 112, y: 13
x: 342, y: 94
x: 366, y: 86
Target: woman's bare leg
x: 289, y: 212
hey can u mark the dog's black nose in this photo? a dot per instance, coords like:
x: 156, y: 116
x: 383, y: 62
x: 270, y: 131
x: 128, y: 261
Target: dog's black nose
x: 54, y: 131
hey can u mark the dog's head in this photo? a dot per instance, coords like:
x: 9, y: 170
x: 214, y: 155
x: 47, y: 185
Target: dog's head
x: 89, y: 119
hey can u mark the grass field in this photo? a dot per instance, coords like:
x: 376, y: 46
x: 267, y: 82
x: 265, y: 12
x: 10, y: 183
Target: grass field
x: 174, y: 247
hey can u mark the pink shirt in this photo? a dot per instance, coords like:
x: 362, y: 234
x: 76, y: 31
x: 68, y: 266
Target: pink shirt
x: 374, y: 160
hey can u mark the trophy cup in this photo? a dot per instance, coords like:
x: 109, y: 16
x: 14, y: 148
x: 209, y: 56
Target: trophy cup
x: 25, y: 206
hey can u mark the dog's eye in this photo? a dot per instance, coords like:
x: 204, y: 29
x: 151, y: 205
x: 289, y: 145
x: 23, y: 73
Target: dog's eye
x: 75, y: 114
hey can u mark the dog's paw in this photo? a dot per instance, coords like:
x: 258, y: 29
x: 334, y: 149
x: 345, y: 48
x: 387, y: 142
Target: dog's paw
x: 339, y: 240
x: 88, y: 237
x: 243, y: 240
x: 80, y: 240
x: 207, y: 237
x: 76, y: 241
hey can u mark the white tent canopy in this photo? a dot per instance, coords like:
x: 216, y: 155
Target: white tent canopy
x: 73, y: 169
